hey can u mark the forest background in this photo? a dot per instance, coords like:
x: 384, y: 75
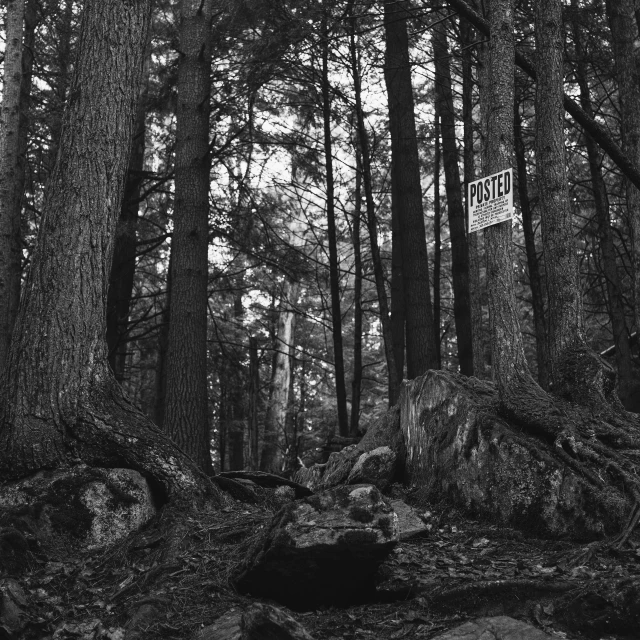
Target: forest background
x: 263, y: 150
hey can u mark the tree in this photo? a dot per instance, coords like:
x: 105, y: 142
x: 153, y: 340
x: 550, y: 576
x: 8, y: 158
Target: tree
x: 405, y: 169
x: 59, y: 400
x: 186, y: 417
x: 10, y: 182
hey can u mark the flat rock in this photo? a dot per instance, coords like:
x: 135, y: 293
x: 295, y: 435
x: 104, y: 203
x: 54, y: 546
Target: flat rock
x: 324, y: 549
x: 498, y: 628
x: 268, y: 480
x: 376, y: 467
x: 410, y: 524
x: 258, y: 622
x: 80, y: 508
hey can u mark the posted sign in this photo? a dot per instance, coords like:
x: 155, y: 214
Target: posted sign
x: 490, y: 200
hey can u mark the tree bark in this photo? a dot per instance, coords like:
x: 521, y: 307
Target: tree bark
x: 607, y: 248
x: 237, y: 396
x: 566, y: 325
x: 398, y: 320
x: 507, y: 350
x: 60, y: 402
x: 624, y: 33
x: 405, y: 168
x: 533, y: 260
x: 455, y: 206
x: 10, y: 183
x: 186, y: 409
x: 124, y: 253
x: 334, y: 276
x: 254, y: 400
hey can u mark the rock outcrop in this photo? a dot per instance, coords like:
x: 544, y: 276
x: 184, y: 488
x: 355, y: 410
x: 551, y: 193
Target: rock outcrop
x: 324, y: 549
x: 498, y: 628
x: 458, y: 447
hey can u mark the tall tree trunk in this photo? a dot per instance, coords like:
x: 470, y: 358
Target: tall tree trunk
x: 59, y: 401
x: 533, y: 260
x: 274, y: 422
x: 507, y: 350
x: 11, y: 186
x: 161, y: 363
x: 124, y: 252
x: 566, y: 326
x: 437, y: 235
x: 186, y: 412
x: 372, y: 227
x: 455, y: 206
x: 237, y: 395
x: 405, y: 168
x: 475, y: 285
x: 334, y: 276
x: 254, y: 402
x: 624, y: 363
x: 356, y: 383
x: 398, y: 319
x: 624, y: 34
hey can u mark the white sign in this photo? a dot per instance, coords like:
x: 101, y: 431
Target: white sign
x: 490, y: 200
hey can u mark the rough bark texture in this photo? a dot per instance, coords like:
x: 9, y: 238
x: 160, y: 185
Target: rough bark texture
x: 405, y: 169
x: 60, y: 403
x: 624, y: 32
x: 455, y: 205
x: 124, y: 253
x: 10, y: 183
x: 334, y: 276
x: 254, y: 398
x: 509, y: 364
x: 566, y: 325
x: 437, y: 237
x: 186, y: 408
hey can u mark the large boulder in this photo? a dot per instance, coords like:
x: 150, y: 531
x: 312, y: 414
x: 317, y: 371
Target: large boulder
x: 324, y: 549
x: 257, y: 622
x: 82, y: 508
x: 458, y: 447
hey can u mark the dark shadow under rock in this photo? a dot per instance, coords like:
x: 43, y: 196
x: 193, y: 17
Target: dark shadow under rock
x: 324, y: 549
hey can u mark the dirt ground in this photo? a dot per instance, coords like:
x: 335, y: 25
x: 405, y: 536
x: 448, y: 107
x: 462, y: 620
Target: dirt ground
x: 173, y: 578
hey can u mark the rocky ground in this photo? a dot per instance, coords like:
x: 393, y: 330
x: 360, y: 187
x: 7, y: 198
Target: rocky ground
x: 175, y: 579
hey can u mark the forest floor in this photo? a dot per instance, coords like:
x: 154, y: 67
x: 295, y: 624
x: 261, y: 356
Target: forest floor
x: 167, y: 582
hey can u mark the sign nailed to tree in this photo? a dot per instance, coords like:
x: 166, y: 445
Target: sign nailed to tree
x: 490, y: 200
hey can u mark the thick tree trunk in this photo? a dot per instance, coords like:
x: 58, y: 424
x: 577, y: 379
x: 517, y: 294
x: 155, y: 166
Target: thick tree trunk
x: 11, y: 185
x: 372, y: 227
x: 274, y: 422
x: 186, y: 409
x: 334, y: 276
x: 624, y: 33
x: 398, y: 320
x: 507, y: 350
x: 533, y: 260
x: 405, y: 168
x: 455, y: 206
x: 60, y: 402
x: 566, y: 325
x: 124, y: 253
x: 624, y: 363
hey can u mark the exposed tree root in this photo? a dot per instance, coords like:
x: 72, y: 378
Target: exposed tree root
x: 591, y: 432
